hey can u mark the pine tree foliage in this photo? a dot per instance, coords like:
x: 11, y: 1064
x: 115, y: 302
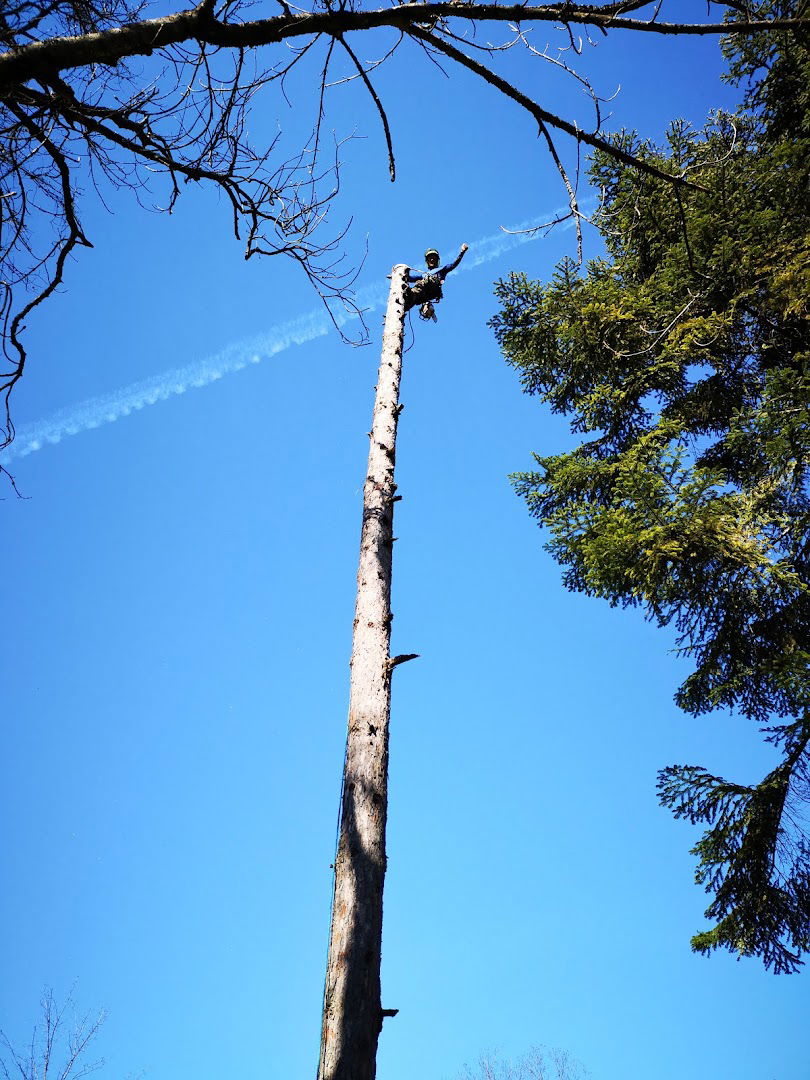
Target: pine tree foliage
x: 682, y: 359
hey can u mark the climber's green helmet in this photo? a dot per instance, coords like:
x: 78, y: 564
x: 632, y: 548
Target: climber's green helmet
x: 431, y: 253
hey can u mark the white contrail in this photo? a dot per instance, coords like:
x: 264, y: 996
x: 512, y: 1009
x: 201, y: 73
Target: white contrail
x: 107, y: 408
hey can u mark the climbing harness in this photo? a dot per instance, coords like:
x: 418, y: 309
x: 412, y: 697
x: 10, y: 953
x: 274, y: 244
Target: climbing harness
x: 425, y: 293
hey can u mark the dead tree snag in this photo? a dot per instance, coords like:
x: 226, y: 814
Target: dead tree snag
x: 352, y: 1011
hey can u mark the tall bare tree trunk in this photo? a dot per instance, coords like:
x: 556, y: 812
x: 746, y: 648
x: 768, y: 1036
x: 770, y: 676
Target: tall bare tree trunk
x: 352, y: 1012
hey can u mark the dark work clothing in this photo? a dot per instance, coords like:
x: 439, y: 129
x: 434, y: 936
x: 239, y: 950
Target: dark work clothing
x: 426, y: 285
x: 418, y: 275
x: 441, y: 274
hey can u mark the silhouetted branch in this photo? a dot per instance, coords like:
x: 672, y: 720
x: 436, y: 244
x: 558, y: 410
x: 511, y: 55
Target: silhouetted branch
x: 392, y: 168
x: 56, y: 1047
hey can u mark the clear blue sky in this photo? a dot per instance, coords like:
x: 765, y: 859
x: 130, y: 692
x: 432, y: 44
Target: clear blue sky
x: 179, y: 595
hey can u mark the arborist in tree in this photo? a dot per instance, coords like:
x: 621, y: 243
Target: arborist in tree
x: 426, y: 289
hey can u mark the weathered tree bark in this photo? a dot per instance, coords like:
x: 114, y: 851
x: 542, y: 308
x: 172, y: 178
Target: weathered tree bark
x: 352, y: 1012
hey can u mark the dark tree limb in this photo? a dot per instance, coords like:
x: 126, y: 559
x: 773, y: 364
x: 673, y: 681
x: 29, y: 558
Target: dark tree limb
x: 199, y: 24
x: 392, y: 168
x: 403, y: 658
x: 543, y: 116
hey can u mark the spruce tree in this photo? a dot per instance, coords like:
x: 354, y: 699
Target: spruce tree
x: 682, y: 358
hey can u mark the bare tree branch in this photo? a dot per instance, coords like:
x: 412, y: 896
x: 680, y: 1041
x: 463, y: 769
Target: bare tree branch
x: 56, y: 1050
x: 392, y: 168
x: 199, y: 24
x: 541, y: 115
